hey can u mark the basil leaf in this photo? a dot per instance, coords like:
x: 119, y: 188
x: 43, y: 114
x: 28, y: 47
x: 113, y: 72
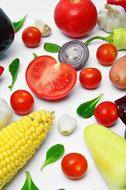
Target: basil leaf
x: 53, y: 154
x: 17, y: 25
x: 52, y: 48
x: 29, y: 184
x: 13, y: 69
x: 86, y: 110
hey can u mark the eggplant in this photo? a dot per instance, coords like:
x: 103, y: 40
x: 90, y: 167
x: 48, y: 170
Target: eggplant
x: 75, y: 53
x: 121, y: 105
x: 6, y: 32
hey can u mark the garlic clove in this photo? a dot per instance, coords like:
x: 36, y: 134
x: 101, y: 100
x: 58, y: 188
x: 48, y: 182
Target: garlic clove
x: 66, y: 124
x: 44, y: 28
x: 5, y: 113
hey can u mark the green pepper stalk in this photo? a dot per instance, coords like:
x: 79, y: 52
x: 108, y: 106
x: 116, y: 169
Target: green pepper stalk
x: 117, y: 38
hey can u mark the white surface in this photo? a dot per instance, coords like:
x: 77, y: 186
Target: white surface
x: 52, y: 177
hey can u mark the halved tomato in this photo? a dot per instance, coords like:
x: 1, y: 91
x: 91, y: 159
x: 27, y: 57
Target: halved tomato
x: 50, y: 80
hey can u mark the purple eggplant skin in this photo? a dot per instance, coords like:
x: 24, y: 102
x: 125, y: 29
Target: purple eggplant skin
x: 121, y: 105
x: 6, y: 32
x: 75, y: 53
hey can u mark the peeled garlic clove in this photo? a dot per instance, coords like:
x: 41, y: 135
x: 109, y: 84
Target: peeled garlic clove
x: 67, y: 124
x: 44, y: 28
x: 5, y: 113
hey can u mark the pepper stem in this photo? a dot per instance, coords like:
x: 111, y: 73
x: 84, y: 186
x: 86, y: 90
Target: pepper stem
x: 107, y: 39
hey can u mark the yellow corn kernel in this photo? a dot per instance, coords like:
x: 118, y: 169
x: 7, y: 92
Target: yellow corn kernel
x: 20, y: 140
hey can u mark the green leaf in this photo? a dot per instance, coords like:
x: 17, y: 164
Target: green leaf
x: 86, y: 110
x: 53, y: 154
x: 17, y: 25
x: 13, y: 69
x: 52, y: 48
x: 29, y: 184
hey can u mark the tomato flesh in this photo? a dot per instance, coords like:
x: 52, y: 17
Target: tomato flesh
x: 50, y: 80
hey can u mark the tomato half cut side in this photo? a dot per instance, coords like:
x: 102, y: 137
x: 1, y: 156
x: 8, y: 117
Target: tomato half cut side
x: 50, y: 80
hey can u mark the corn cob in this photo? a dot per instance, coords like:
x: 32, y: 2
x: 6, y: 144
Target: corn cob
x: 20, y: 140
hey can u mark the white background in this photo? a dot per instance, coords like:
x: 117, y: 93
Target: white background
x: 52, y: 177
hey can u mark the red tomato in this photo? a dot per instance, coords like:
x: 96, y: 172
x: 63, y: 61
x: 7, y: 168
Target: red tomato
x: 106, y: 54
x: 106, y: 113
x: 50, y: 80
x: 22, y: 102
x: 74, y: 165
x: 118, y: 2
x: 76, y: 18
x: 31, y: 37
x: 90, y: 78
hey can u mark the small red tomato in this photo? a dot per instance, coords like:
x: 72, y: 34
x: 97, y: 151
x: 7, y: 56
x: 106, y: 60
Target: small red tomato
x: 31, y: 37
x: 1, y: 70
x: 22, y: 102
x: 106, y: 54
x: 90, y: 78
x: 106, y: 113
x: 74, y: 165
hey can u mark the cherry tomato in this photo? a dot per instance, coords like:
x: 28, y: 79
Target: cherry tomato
x: 74, y: 165
x: 90, y: 78
x: 22, y: 102
x: 76, y: 18
x: 31, y: 37
x: 106, y: 54
x: 50, y: 80
x: 106, y: 113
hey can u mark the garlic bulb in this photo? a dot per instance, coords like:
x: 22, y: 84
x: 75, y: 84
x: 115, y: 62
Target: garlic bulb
x: 44, y: 28
x: 67, y: 124
x: 5, y: 113
x: 111, y: 17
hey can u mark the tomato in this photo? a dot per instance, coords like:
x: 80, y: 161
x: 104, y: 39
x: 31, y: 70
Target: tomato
x: 74, y: 165
x: 31, y: 37
x: 22, y: 102
x: 118, y: 2
x: 50, y: 80
x: 90, y: 78
x: 106, y: 54
x: 106, y: 113
x: 76, y: 18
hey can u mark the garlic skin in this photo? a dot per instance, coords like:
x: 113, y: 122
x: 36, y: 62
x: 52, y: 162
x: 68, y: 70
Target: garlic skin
x: 5, y: 113
x: 111, y: 17
x: 66, y: 124
x: 44, y: 28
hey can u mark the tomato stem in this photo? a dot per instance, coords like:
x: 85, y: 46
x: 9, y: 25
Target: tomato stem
x: 75, y: 1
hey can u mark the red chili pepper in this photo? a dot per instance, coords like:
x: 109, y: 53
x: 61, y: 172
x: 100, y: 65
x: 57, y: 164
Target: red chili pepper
x: 118, y: 2
x: 1, y: 70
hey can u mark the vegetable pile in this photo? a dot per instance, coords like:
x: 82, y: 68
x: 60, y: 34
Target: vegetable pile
x: 52, y: 79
